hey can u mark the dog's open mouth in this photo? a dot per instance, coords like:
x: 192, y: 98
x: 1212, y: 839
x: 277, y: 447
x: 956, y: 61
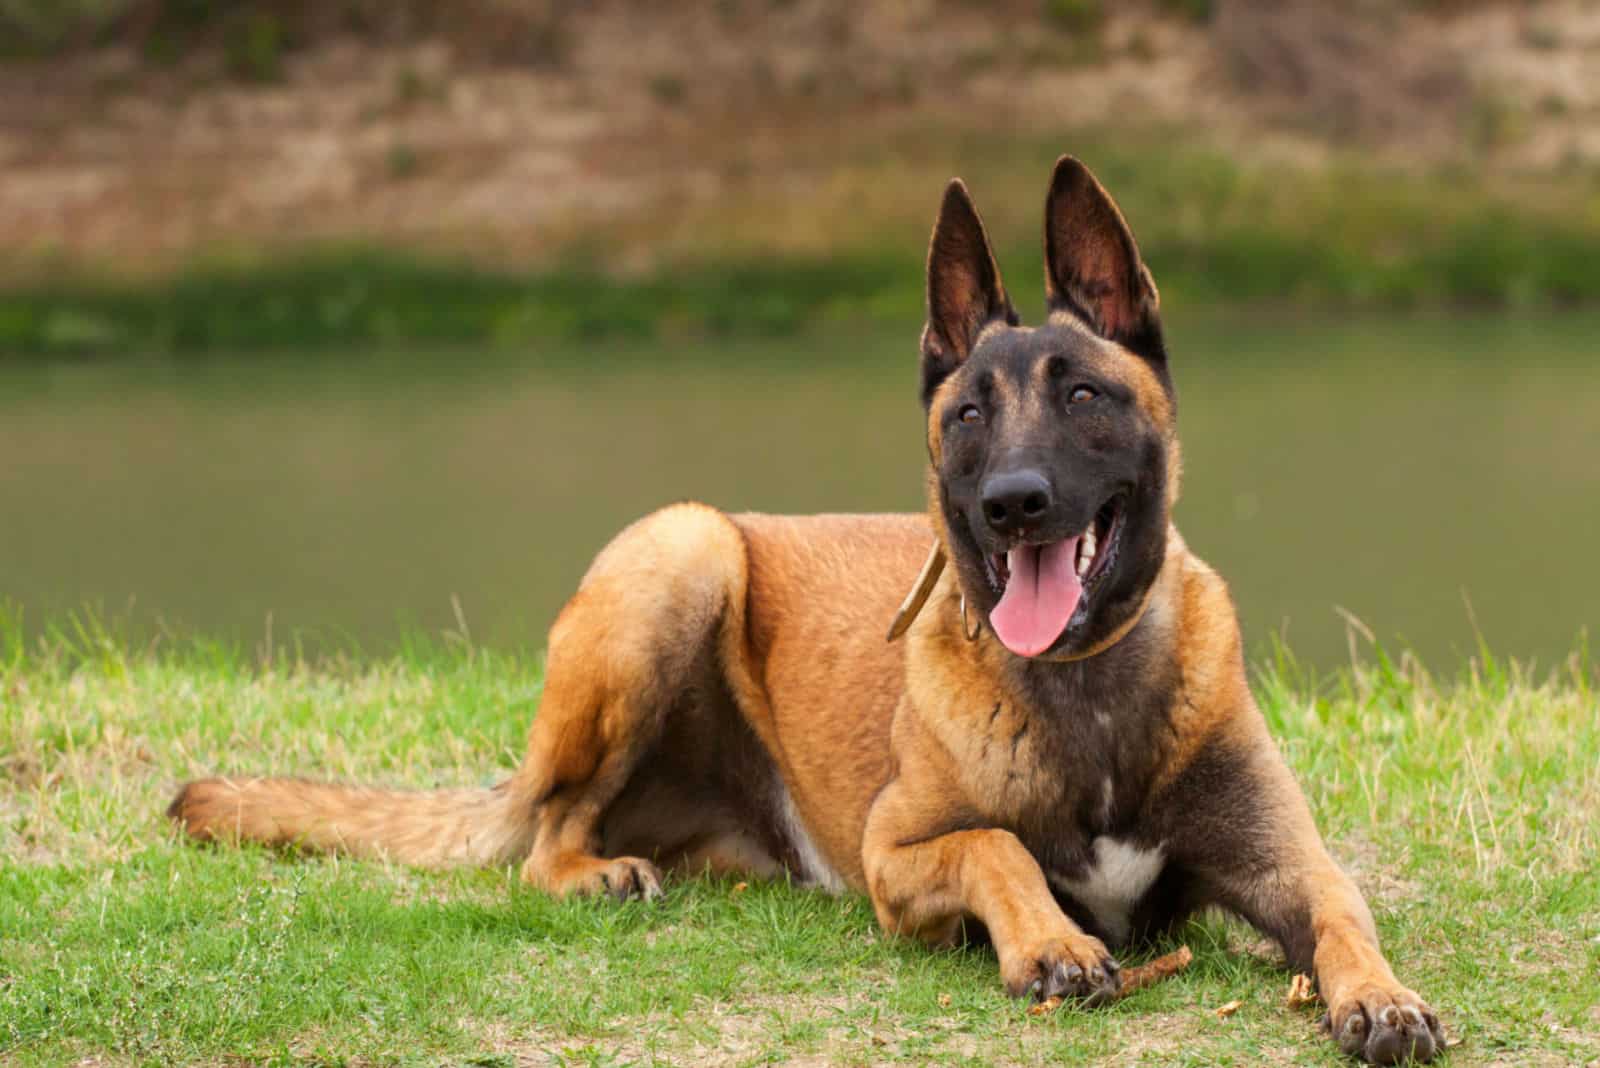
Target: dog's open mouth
x: 1043, y: 586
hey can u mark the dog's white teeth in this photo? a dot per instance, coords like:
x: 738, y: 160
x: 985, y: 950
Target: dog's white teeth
x: 1086, y: 548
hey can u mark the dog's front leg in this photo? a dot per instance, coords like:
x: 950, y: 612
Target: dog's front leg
x: 1370, y: 1014
x: 924, y: 881
x: 1308, y: 900
x: 1275, y: 872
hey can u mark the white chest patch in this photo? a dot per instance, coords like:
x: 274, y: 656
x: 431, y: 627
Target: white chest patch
x: 1117, y: 877
x: 814, y: 870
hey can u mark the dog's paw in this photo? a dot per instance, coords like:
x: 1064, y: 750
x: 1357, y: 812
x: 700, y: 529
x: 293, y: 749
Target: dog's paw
x: 629, y: 877
x: 619, y: 877
x: 1070, y: 966
x: 1385, y: 1025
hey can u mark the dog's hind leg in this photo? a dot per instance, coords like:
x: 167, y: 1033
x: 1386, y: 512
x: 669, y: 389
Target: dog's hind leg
x: 624, y: 655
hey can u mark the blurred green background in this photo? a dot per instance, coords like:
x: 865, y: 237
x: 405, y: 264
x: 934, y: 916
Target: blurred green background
x: 330, y: 323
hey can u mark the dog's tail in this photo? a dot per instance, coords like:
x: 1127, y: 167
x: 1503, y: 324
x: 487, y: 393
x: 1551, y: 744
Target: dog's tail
x: 437, y: 828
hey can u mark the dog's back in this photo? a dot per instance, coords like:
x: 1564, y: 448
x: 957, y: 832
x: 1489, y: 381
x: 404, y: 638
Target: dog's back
x: 772, y: 625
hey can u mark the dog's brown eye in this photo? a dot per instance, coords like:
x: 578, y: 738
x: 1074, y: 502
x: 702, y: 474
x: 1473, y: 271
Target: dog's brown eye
x: 970, y: 414
x: 1081, y: 393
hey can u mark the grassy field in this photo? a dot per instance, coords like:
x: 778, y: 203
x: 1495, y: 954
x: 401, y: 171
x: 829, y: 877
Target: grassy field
x: 1469, y: 810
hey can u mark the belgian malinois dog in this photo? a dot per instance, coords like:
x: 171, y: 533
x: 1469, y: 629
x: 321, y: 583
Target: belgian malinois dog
x: 1062, y: 750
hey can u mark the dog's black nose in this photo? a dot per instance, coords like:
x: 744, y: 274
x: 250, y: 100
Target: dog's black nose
x: 1015, y: 500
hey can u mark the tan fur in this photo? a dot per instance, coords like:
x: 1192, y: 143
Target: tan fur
x: 433, y: 829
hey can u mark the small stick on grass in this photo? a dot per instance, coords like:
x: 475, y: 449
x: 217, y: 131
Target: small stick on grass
x: 1155, y: 971
x: 1136, y: 978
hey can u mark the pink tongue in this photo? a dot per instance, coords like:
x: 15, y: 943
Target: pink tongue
x: 1040, y: 596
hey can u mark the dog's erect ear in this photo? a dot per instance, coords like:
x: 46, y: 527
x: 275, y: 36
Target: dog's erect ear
x: 1092, y: 268
x: 964, y: 290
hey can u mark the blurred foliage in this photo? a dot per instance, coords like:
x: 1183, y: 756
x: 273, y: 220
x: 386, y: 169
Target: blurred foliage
x: 366, y: 296
x: 1075, y: 14
x: 350, y: 296
x: 251, y: 36
x: 43, y: 27
x: 1198, y: 10
x: 1213, y: 232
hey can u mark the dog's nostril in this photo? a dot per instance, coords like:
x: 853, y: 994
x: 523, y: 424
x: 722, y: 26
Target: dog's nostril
x: 1035, y: 504
x: 995, y: 511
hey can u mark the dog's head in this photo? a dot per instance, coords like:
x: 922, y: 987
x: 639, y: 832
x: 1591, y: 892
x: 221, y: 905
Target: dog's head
x: 1054, y: 449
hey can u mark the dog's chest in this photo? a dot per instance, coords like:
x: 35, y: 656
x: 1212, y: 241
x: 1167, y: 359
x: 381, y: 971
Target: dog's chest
x: 1093, y: 745
x: 1111, y: 881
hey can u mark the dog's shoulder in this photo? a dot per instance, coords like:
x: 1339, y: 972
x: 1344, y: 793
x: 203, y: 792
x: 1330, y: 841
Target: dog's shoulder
x: 1208, y: 643
x: 1218, y: 732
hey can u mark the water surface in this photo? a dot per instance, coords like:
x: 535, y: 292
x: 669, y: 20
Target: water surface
x: 1394, y: 470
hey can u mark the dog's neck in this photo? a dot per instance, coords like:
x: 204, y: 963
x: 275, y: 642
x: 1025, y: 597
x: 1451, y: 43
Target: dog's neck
x: 1099, y: 720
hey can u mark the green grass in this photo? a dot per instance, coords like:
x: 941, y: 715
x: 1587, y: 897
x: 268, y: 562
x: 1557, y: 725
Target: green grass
x: 762, y: 261
x: 351, y: 297
x: 1469, y: 811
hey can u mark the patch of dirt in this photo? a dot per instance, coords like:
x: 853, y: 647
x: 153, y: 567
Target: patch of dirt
x: 719, y: 1035
x: 1378, y: 876
x: 630, y: 111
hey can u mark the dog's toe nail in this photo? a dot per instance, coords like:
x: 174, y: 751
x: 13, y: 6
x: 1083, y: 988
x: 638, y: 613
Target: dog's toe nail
x: 1055, y: 981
